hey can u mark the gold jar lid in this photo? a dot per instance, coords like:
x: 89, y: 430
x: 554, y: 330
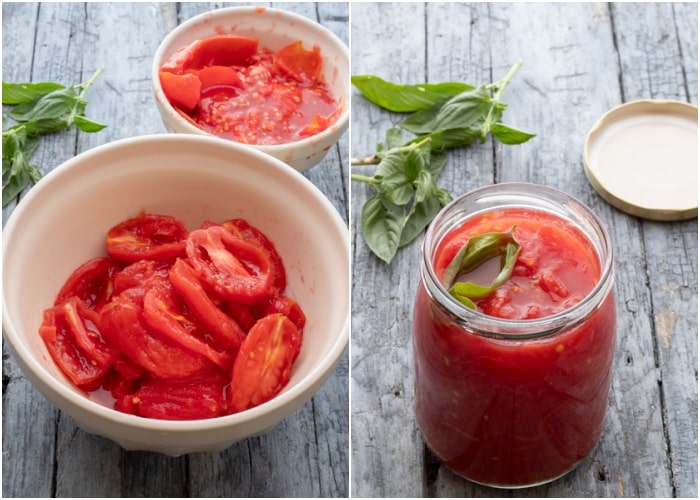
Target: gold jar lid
x: 642, y: 157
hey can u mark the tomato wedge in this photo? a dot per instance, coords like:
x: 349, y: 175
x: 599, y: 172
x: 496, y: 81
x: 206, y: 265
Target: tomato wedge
x: 74, y: 340
x: 264, y: 363
x: 222, y: 327
x: 91, y: 282
x: 147, y: 236
x: 296, y: 62
x: 290, y: 308
x: 235, y: 269
x: 165, y: 313
x: 181, y: 90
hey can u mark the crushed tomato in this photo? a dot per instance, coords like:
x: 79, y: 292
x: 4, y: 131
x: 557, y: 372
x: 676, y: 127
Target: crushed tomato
x: 231, y: 88
x: 160, y: 328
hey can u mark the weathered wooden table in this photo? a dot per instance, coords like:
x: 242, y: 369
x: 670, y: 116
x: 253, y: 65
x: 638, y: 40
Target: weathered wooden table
x: 44, y: 453
x: 580, y: 60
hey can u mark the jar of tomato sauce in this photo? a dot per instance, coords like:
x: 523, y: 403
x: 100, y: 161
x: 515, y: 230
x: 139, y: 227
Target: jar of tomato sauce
x: 513, y: 393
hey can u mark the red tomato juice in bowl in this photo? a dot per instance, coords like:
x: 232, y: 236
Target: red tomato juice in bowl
x: 230, y: 87
x: 513, y: 392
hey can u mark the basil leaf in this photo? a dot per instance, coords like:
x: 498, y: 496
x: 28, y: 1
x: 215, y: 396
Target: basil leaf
x: 87, y: 125
x: 20, y: 93
x: 462, y: 111
x: 405, y: 98
x: 476, y: 251
x: 509, y: 135
x: 422, y: 213
x: 56, y: 104
x: 382, y: 224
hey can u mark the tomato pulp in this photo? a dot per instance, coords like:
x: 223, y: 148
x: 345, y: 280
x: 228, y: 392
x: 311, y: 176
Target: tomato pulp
x: 516, y: 409
x: 231, y: 88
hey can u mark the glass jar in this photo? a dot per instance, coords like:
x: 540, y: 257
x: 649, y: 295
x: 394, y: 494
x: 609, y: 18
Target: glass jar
x: 506, y: 401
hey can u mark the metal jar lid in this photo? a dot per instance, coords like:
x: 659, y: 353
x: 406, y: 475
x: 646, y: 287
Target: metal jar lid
x: 642, y: 157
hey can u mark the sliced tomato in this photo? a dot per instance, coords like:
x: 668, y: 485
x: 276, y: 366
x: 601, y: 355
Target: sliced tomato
x: 91, y: 282
x: 264, y: 363
x: 244, y: 315
x: 181, y: 90
x: 219, y: 76
x: 75, y: 342
x: 165, y: 313
x: 244, y: 230
x: 289, y: 307
x: 296, y: 62
x: 147, y: 236
x: 124, y: 326
x: 199, y: 398
x: 235, y: 269
x: 222, y: 327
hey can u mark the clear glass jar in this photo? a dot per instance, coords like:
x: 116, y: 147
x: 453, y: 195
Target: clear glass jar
x: 512, y: 402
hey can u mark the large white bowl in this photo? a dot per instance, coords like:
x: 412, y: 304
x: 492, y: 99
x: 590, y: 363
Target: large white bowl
x: 274, y: 29
x: 63, y: 220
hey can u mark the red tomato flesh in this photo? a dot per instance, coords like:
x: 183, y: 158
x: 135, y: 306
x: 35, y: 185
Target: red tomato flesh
x: 159, y: 324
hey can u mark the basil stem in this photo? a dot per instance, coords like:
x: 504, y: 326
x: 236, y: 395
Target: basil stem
x: 476, y: 251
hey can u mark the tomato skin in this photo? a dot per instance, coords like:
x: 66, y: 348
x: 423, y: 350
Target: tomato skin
x: 147, y: 236
x: 181, y: 90
x: 294, y: 61
x: 225, y: 329
x: 235, y: 269
x: 142, y: 274
x: 75, y: 342
x: 218, y: 76
x: 224, y: 50
x: 92, y: 282
x: 264, y: 362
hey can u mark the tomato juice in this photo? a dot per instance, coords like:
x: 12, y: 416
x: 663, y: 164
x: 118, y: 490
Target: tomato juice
x: 230, y: 87
x: 514, y: 393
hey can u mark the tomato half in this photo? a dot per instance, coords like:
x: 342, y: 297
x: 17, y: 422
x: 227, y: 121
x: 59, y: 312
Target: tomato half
x: 91, y: 282
x: 235, y: 269
x: 195, y: 399
x: 147, y: 236
x: 264, y: 363
x: 75, y: 342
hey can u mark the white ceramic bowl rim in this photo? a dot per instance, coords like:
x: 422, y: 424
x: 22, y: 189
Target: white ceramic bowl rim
x: 20, y: 350
x: 340, y: 123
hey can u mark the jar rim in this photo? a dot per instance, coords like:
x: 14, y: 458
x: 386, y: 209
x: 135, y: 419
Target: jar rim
x: 521, y: 329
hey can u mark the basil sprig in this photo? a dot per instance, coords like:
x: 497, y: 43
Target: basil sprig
x: 442, y: 116
x: 38, y: 109
x: 476, y: 251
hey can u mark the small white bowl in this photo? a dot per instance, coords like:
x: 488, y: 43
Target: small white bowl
x: 62, y: 222
x: 274, y: 29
